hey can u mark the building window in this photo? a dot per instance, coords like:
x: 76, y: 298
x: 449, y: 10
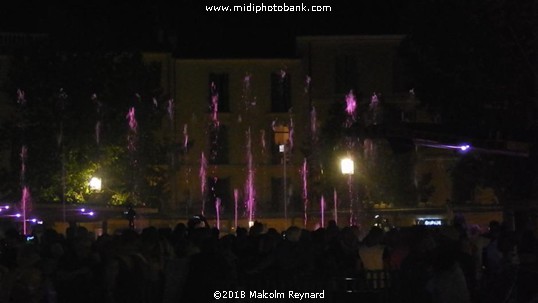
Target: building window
x: 219, y: 92
x: 218, y: 145
x: 277, y: 148
x: 280, y: 92
x: 346, y: 74
x: 277, y: 195
x: 219, y: 188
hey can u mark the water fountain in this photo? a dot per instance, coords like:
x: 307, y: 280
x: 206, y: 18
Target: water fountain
x: 132, y: 135
x: 304, y: 179
x: 203, y: 181
x: 132, y: 145
x: 25, y: 191
x: 236, y: 204
x: 217, y: 211
x: 25, y: 195
x: 249, y: 196
x: 322, y: 211
x: 250, y: 192
x: 351, y: 111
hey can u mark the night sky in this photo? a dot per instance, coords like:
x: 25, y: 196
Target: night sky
x: 196, y: 33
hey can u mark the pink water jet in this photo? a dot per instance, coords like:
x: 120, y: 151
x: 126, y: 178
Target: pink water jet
x: 23, y: 155
x: 247, y: 92
x: 250, y: 192
x: 25, y: 195
x: 351, y: 109
x: 21, y: 98
x: 291, y: 134
x: 214, y: 107
x: 170, y: 109
x: 262, y: 139
x: 374, y: 101
x: 203, y: 180
x: 283, y: 74
x: 322, y: 211
x: 314, y: 124
x: 236, y: 202
x: 335, y: 206
x: 98, y: 124
x: 185, y: 137
x: 133, y: 129
x: 26, y: 206
x: 351, y: 212
x: 307, y: 81
x: 217, y: 211
x: 304, y: 178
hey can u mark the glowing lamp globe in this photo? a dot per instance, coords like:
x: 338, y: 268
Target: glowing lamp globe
x: 95, y: 183
x: 347, y: 166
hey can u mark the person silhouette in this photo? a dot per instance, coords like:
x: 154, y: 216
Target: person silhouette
x: 130, y: 214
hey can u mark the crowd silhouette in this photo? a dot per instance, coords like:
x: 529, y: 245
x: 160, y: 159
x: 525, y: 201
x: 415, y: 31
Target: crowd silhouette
x: 455, y: 263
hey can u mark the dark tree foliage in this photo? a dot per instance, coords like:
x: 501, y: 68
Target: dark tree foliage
x: 507, y: 175
x: 470, y: 63
x: 69, y: 95
x: 384, y: 168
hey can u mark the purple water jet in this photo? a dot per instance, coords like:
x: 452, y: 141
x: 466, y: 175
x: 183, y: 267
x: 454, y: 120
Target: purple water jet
x: 351, y: 109
x: 351, y: 213
x: 250, y: 192
x: 247, y: 96
x: 214, y: 106
x: 98, y: 123
x: 217, y: 211
x: 21, y: 98
x: 133, y: 129
x: 314, y: 124
x: 203, y: 180
x: 262, y: 139
x: 322, y: 211
x: 185, y: 137
x: 304, y: 178
x: 236, y: 202
x: 374, y: 101
x: 307, y: 82
x: 25, y: 194
x: 291, y: 134
x: 170, y: 110
x: 374, y: 104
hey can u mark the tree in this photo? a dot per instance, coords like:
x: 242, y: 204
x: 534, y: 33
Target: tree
x: 470, y: 62
x: 74, y: 122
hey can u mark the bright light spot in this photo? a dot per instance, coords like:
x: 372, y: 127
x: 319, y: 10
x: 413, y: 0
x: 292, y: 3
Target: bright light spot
x: 82, y: 209
x: 347, y: 166
x: 90, y: 213
x: 464, y: 147
x: 250, y: 223
x: 376, y: 216
x: 95, y: 183
x: 34, y: 220
x: 18, y: 215
x: 282, y: 148
x: 40, y: 222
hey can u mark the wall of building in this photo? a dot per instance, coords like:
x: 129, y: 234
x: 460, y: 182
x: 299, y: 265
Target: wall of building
x: 248, y: 108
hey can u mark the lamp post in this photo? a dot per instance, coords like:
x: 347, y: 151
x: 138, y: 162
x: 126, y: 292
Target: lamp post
x: 282, y: 136
x: 347, y: 167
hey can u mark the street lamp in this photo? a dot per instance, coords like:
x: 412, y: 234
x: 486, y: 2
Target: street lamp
x: 347, y: 167
x: 95, y: 184
x: 282, y: 137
